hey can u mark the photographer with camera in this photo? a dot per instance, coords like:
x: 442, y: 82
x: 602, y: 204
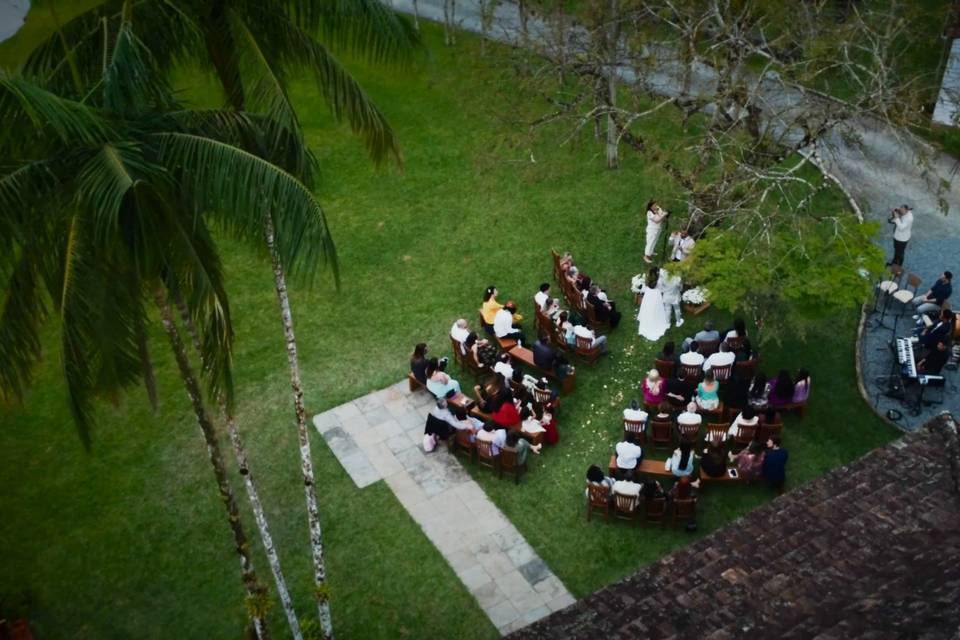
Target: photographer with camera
x: 902, y: 219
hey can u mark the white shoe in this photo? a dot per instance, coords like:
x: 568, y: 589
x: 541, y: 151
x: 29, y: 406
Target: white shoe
x: 680, y: 322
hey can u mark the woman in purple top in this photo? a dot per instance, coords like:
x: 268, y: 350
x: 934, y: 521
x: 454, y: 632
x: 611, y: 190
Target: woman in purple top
x: 781, y: 389
x: 801, y: 387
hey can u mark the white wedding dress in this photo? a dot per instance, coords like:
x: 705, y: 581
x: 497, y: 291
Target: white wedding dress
x: 652, y: 318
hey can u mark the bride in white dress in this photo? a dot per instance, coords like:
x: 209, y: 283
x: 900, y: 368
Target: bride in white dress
x: 652, y: 318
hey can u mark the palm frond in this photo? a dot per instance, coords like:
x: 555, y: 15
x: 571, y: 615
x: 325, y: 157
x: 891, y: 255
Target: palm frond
x: 238, y: 187
x: 23, y: 313
x: 132, y: 81
x: 366, y: 28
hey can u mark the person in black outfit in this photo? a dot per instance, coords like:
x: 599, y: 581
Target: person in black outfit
x: 940, y: 330
x: 734, y: 393
x: 679, y: 392
x: 418, y: 363
x: 606, y: 310
x: 548, y: 358
x: 669, y: 353
x: 714, y: 461
x: 933, y: 362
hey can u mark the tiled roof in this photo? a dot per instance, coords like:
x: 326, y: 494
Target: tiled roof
x: 869, y: 550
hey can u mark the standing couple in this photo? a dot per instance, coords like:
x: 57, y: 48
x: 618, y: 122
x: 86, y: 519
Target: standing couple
x: 661, y: 293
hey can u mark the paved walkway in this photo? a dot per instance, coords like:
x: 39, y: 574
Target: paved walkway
x: 379, y: 436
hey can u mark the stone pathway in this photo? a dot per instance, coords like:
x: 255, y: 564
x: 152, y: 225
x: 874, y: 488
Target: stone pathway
x: 947, y: 110
x: 379, y: 436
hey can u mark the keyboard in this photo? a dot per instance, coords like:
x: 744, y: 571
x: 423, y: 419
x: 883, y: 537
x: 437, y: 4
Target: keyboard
x: 905, y: 357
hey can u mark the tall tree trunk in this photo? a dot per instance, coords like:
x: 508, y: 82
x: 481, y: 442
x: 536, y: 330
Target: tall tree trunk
x: 255, y: 592
x: 522, y: 10
x: 613, y: 52
x: 240, y: 453
x: 449, y: 22
x: 306, y: 460
x: 416, y: 15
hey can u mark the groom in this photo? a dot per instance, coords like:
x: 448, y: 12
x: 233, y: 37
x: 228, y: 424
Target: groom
x: 669, y: 286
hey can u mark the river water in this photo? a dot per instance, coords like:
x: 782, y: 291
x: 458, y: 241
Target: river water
x: 12, y: 13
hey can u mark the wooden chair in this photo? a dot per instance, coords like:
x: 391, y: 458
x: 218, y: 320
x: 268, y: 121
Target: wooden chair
x: 716, y: 430
x: 767, y: 430
x: 462, y: 444
x: 414, y: 384
x: 684, y: 509
x: 688, y: 432
x: 507, y: 343
x: 625, y: 507
x: 517, y: 388
x: 654, y: 511
x: 636, y: 427
x: 545, y: 397
x: 888, y: 285
x: 586, y: 350
x: 709, y: 347
x: 905, y: 294
x: 485, y: 455
x: 713, y: 414
x: 722, y: 374
x: 746, y: 369
x: 598, y: 498
x: 487, y: 328
x: 744, y: 437
x: 557, y: 273
x: 508, y: 463
x: 459, y: 357
x: 661, y: 433
x: 691, y: 372
x: 667, y: 368
x: 732, y: 412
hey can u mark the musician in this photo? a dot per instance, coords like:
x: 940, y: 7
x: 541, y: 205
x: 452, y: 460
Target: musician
x: 902, y: 219
x: 940, y: 330
x: 933, y: 362
x: 934, y: 299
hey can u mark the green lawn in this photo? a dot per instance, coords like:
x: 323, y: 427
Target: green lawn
x: 129, y: 541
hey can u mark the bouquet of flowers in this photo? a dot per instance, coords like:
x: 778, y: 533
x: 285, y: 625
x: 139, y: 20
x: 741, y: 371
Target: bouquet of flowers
x: 695, y: 296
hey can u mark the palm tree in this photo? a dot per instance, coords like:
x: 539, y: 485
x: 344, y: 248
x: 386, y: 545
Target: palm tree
x: 98, y: 192
x: 253, y: 46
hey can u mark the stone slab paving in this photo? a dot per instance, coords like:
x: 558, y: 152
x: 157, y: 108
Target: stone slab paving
x: 379, y: 437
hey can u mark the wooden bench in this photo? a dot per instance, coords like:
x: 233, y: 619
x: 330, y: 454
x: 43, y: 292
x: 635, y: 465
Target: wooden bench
x: 724, y: 479
x: 461, y: 401
x: 415, y: 384
x: 525, y: 356
x: 646, y: 467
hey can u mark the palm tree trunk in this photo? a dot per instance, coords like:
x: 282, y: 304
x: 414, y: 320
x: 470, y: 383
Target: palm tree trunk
x: 240, y: 453
x: 255, y: 592
x: 306, y: 461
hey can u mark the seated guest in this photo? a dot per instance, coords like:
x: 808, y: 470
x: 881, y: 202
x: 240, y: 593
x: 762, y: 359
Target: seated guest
x: 497, y: 437
x: 746, y: 418
x: 654, y: 390
x: 714, y: 461
x: 684, y: 489
x: 529, y: 423
x: 770, y: 416
x: 933, y: 362
x: 466, y: 422
x: 605, y: 310
x: 626, y: 488
x: 459, y: 331
x: 690, y: 416
x: 664, y: 412
x: 745, y: 352
x: 681, y: 462
x: 506, y: 415
x: 577, y: 279
x: 679, y: 392
x: 749, y: 461
x: 493, y: 395
x: 721, y: 358
x: 708, y: 393
x: 438, y: 382
x: 937, y: 331
x: 503, y: 323
x: 692, y: 356
x: 504, y: 367
x: 739, y: 330
x: 652, y: 490
x: 801, y: 387
x: 565, y: 326
x: 596, y: 477
x: 488, y: 310
x: 547, y: 358
x: 707, y: 334
x: 521, y: 446
x: 933, y: 300
x: 542, y: 296
x: 781, y: 389
x: 543, y: 414
x: 759, y: 391
x: 734, y: 393
x: 669, y: 352
x: 634, y: 413
x: 566, y: 261
x: 774, y: 466
x: 629, y: 454
x: 483, y: 353
x: 596, y: 342
x: 440, y: 422
x: 418, y: 363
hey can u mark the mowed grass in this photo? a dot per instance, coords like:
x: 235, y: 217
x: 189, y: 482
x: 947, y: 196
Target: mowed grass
x: 129, y: 540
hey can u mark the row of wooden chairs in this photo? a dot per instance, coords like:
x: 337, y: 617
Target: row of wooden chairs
x: 746, y: 369
x: 481, y: 452
x: 665, y: 434
x: 583, y: 348
x: 636, y: 508
x: 574, y: 298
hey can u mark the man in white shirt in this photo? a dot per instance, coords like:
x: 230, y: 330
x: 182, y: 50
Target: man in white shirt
x: 670, y: 286
x: 627, y: 488
x: 682, y: 244
x: 721, y: 358
x: 459, y: 331
x: 634, y: 413
x: 599, y: 342
x: 503, y: 323
x: 542, y: 297
x: 690, y: 416
x: 692, y: 357
x: 496, y: 437
x: 628, y: 455
x: 504, y: 368
x: 902, y: 220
